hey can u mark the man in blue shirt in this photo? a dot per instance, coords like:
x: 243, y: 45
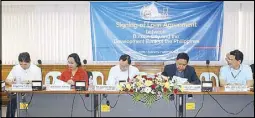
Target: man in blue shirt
x: 236, y: 73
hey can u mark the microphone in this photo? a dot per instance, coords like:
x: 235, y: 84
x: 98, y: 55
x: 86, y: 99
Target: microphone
x: 128, y: 75
x: 128, y: 79
x: 39, y: 62
x: 90, y: 77
x: 207, y: 62
x: 85, y: 61
x: 39, y: 65
x: 207, y: 65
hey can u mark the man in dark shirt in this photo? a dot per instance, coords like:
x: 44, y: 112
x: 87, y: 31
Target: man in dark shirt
x: 182, y: 69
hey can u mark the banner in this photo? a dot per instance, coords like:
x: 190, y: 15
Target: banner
x: 156, y: 30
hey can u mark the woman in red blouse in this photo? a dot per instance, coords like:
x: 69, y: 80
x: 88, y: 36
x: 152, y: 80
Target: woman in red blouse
x: 74, y: 72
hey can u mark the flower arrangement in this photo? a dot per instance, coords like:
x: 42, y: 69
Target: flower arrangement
x: 150, y: 87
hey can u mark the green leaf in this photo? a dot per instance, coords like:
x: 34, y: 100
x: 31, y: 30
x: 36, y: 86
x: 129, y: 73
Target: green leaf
x: 150, y: 99
x: 137, y: 96
x: 166, y: 97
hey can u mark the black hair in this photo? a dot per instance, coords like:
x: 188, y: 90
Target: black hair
x: 125, y: 57
x: 183, y: 56
x: 24, y: 57
x: 76, y: 59
x: 238, y: 55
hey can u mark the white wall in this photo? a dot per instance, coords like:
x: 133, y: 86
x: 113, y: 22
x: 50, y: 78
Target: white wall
x: 51, y: 30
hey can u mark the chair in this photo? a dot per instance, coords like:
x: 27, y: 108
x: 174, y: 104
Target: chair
x: 252, y: 68
x: 54, y: 74
x: 97, y: 74
x: 142, y: 73
x: 206, y: 76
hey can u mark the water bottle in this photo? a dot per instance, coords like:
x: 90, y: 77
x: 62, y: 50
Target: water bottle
x: 90, y: 80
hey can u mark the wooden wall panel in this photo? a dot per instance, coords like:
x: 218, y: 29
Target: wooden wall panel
x: 153, y: 68
x: 143, y: 67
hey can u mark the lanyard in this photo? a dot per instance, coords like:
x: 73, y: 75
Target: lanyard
x: 236, y: 74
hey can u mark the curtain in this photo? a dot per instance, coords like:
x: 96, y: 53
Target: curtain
x: 50, y: 31
x: 238, y: 32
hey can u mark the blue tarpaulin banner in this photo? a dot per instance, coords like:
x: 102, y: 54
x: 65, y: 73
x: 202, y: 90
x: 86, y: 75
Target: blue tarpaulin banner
x: 156, y: 30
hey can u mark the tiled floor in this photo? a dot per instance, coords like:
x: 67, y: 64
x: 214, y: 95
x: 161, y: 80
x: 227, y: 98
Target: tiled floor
x: 3, y: 110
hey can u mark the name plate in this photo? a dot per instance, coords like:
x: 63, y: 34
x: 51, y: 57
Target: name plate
x: 191, y: 88
x: 235, y: 88
x: 105, y: 88
x: 21, y: 87
x: 58, y: 87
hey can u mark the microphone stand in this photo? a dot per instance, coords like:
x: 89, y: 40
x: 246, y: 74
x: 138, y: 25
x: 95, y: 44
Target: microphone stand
x: 89, y: 77
x: 128, y: 80
x: 207, y: 66
x: 40, y: 65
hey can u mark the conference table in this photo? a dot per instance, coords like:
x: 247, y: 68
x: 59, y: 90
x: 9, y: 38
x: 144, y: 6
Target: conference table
x: 181, y: 101
x: 216, y: 91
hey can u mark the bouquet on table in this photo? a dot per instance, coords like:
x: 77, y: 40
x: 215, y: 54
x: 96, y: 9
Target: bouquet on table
x: 150, y: 87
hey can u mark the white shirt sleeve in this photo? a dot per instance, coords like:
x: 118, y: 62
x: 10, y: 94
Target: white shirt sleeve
x: 135, y: 71
x: 111, y: 77
x: 34, y: 73
x: 11, y: 75
x: 38, y: 74
x: 222, y: 74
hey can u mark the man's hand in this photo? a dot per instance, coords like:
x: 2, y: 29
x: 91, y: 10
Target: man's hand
x: 223, y: 82
x: 26, y: 82
x: 250, y: 83
x: 187, y: 83
x: 165, y: 77
x: 238, y: 84
x: 70, y: 82
x: 9, y: 82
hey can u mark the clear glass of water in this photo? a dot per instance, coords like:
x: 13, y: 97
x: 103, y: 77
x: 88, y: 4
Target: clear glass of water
x: 90, y: 80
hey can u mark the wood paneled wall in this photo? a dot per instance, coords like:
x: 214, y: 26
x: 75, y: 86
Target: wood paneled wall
x: 149, y: 68
x: 143, y: 67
